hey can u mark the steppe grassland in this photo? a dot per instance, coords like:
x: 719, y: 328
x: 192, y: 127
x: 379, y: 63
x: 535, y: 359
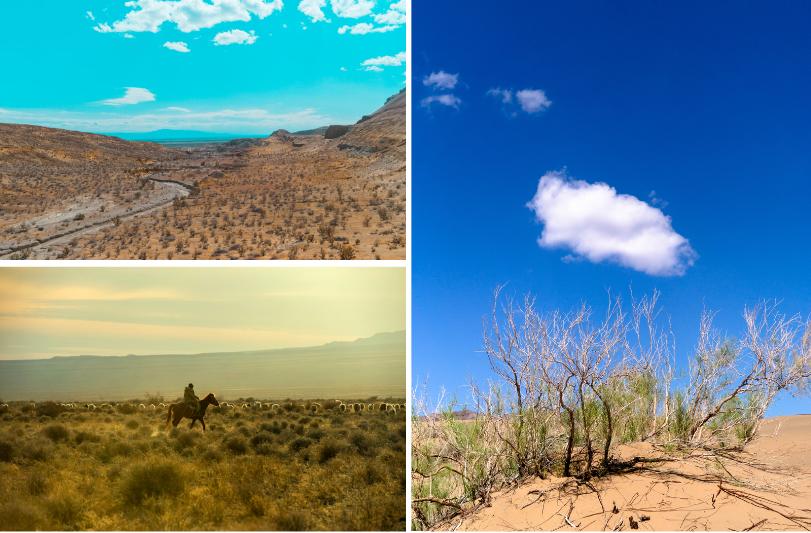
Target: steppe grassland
x: 120, y: 466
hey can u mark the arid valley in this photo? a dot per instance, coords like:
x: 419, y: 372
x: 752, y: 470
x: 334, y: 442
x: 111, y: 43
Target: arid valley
x: 337, y: 192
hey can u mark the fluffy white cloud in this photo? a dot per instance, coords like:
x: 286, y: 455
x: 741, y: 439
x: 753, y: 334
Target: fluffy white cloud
x: 505, y: 95
x: 90, y: 15
x: 352, y: 9
x: 178, y: 46
x: 362, y: 28
x: 188, y: 15
x: 450, y: 100
x: 375, y: 64
x: 313, y: 9
x: 532, y: 100
x: 395, y: 14
x: 598, y: 224
x: 226, y: 38
x: 441, y: 80
x: 132, y: 95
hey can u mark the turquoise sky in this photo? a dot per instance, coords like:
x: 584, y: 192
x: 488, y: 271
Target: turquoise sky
x: 252, y: 66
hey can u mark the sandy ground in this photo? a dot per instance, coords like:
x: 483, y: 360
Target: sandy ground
x: 766, y: 487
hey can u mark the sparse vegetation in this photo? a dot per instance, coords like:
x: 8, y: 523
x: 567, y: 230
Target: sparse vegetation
x: 570, y: 389
x: 118, y: 467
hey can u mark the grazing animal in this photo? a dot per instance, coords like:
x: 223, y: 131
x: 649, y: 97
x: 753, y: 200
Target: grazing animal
x: 162, y: 405
x: 274, y: 406
x: 244, y: 405
x: 181, y: 410
x: 90, y: 406
x: 342, y: 407
x: 141, y: 406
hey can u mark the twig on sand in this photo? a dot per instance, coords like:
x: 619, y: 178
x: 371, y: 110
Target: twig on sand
x: 571, y: 524
x: 753, y: 526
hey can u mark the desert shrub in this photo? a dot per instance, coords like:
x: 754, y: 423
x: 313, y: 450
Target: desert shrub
x: 152, y: 479
x: 132, y: 423
x: 114, y: 448
x: 37, y: 483
x: 6, y: 451
x: 20, y: 516
x: 328, y: 450
x: 185, y: 441
x: 56, y: 432
x: 236, y: 445
x: 65, y: 511
x: 292, y: 520
x: 49, y: 409
x: 84, y: 436
x: 126, y: 409
x: 315, y: 434
x: 37, y: 450
x: 260, y: 439
x: 363, y: 443
x: 300, y: 444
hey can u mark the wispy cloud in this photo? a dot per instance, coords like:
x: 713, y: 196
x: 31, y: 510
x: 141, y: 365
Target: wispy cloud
x: 177, y: 46
x: 235, y: 37
x: 530, y: 101
x: 352, y: 8
x: 132, y: 96
x: 441, y: 80
x: 597, y: 223
x: 188, y: 15
x: 376, y: 64
x: 362, y: 28
x: 449, y: 100
x: 395, y: 14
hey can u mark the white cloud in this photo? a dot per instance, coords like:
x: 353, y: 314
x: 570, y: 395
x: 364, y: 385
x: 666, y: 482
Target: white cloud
x: 226, y: 38
x: 132, y: 95
x: 395, y: 15
x: 532, y: 100
x: 188, y: 15
x: 90, y: 15
x: 450, y: 100
x: 505, y: 95
x: 314, y: 9
x: 129, y: 36
x: 376, y: 63
x: 362, y: 28
x: 352, y: 9
x: 178, y: 46
x: 598, y: 224
x: 441, y: 80
x: 179, y: 109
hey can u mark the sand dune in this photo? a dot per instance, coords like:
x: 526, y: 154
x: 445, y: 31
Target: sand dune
x: 765, y: 487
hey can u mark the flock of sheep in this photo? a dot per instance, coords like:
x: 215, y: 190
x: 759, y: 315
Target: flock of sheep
x: 312, y: 407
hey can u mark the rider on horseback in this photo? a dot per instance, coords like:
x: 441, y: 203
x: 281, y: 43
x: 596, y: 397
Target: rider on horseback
x: 191, y: 399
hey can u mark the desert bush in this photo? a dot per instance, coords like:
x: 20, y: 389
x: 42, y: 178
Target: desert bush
x: 300, y: 444
x: 236, y: 444
x: 49, y: 409
x: 6, y: 451
x: 65, y: 512
x: 16, y: 515
x: 152, y: 479
x: 329, y: 449
x: 56, y: 432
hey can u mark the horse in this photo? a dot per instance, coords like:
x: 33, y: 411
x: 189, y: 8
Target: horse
x: 181, y: 410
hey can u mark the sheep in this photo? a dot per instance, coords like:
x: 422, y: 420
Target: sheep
x: 152, y: 406
x: 274, y: 406
x: 141, y: 406
x: 342, y: 407
x: 90, y: 407
x: 162, y: 405
x: 315, y: 407
x: 370, y: 407
x: 244, y: 406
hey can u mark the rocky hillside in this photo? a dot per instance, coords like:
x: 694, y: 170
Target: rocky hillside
x: 26, y: 145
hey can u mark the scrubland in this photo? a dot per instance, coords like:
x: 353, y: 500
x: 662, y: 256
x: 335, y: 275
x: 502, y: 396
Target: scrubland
x: 592, y: 424
x: 121, y: 467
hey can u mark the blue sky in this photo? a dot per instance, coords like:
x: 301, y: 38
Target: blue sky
x: 694, y: 116
x: 231, y: 66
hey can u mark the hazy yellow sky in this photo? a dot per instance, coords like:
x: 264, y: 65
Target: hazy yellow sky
x: 117, y: 311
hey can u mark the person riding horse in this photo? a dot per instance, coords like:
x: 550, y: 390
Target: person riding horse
x: 191, y: 399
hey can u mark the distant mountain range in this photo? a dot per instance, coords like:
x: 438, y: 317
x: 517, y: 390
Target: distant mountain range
x: 373, y: 366
x: 181, y: 135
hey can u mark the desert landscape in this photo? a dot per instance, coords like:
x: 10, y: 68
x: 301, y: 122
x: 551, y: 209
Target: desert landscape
x: 336, y: 192
x: 270, y: 464
x: 590, y: 425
